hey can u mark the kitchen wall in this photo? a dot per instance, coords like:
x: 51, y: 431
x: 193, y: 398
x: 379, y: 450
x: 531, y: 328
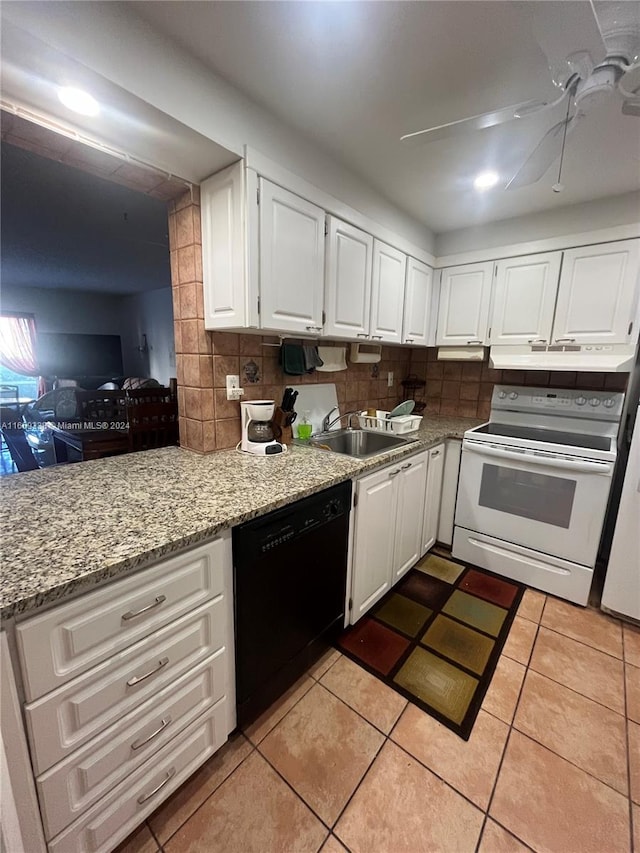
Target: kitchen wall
x: 465, y: 389
x: 572, y: 219
x: 208, y: 421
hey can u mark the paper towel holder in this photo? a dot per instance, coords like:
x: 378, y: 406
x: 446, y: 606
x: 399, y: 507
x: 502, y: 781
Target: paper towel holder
x: 365, y: 353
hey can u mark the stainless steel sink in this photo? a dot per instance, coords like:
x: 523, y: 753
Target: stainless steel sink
x: 357, y: 442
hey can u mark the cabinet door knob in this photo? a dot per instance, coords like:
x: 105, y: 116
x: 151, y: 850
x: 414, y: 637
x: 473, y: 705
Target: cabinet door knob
x: 131, y: 614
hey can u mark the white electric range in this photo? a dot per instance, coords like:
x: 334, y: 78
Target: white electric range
x: 534, y: 486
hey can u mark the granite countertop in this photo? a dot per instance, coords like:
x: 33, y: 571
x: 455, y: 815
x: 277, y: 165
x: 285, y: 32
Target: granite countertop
x: 68, y: 528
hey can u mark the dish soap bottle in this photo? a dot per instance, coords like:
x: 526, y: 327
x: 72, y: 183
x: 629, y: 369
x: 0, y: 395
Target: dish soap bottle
x: 305, y: 428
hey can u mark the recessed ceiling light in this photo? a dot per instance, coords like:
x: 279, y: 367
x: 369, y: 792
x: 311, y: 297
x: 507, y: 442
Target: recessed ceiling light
x: 486, y: 180
x: 78, y: 101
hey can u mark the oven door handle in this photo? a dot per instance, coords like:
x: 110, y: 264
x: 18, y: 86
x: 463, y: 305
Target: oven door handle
x: 579, y: 466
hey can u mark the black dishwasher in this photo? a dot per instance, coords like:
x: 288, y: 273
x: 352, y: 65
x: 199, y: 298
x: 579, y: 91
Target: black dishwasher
x: 290, y: 569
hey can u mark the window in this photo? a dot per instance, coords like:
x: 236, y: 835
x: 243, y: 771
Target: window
x: 18, y: 359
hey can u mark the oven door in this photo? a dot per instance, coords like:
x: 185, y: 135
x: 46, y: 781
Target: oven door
x: 550, y: 503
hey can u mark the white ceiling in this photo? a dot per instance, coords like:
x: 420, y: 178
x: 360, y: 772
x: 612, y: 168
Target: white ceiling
x: 31, y: 72
x: 355, y: 76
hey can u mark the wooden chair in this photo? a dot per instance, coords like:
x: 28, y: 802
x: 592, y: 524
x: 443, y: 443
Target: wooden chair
x: 153, y: 418
x: 102, y: 407
x: 16, y: 440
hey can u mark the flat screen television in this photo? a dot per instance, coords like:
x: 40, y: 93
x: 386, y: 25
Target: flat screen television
x: 66, y: 355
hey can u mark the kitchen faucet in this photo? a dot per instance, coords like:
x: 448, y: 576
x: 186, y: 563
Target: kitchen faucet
x: 327, y: 423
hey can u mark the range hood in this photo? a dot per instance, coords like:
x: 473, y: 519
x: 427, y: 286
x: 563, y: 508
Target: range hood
x: 587, y: 358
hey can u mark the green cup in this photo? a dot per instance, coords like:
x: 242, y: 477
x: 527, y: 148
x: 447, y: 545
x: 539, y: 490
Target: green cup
x: 304, y: 431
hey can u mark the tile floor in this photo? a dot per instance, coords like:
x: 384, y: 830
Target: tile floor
x: 341, y: 762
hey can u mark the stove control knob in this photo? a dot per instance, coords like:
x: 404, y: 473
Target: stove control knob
x: 502, y: 394
x: 594, y: 401
x: 513, y: 395
x: 609, y: 403
x: 580, y: 401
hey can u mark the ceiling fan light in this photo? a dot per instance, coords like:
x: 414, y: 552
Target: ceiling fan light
x: 485, y: 181
x: 78, y: 101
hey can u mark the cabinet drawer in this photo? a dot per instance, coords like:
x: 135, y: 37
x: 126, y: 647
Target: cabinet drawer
x: 62, y: 721
x: 61, y: 643
x: 75, y: 784
x: 117, y: 814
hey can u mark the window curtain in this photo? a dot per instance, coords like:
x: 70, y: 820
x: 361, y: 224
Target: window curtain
x: 18, y: 345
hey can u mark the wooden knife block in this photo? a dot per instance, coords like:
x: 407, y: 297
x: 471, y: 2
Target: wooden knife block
x: 281, y: 431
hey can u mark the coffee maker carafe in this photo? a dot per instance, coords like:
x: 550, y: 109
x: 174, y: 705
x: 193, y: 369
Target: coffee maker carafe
x: 257, y: 429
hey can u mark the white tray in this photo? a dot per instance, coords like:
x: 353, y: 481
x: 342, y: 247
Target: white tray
x: 382, y: 423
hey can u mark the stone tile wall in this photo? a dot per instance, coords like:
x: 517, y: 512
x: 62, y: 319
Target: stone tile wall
x: 465, y: 389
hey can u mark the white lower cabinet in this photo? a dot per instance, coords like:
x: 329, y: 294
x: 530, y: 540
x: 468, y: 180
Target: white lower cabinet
x: 108, y: 744
x: 375, y: 524
x: 453, y: 452
x: 409, y: 515
x: 388, y: 529
x: 113, y: 818
x: 433, y: 496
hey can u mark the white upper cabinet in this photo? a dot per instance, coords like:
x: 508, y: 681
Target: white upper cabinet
x: 348, y: 266
x: 223, y: 251
x: 524, y: 299
x: 387, y: 293
x: 465, y: 296
x: 418, y: 297
x: 597, y: 293
x: 291, y: 261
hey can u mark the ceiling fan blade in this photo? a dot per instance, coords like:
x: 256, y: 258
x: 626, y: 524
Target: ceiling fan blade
x: 543, y: 155
x: 565, y: 30
x: 480, y: 121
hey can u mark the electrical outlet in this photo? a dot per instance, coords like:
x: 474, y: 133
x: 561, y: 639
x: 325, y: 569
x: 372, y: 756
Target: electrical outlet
x: 234, y: 391
x: 390, y: 379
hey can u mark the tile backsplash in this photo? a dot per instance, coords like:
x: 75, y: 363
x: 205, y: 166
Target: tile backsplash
x: 465, y: 388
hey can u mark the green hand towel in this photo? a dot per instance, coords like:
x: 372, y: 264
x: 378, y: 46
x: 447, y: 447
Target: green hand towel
x: 292, y: 359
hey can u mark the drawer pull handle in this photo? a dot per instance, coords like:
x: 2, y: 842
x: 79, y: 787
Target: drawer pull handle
x: 131, y: 614
x: 138, y: 678
x: 565, y: 340
x: 163, y: 725
x: 473, y: 342
x: 435, y: 453
x: 393, y: 473
x: 170, y: 774
x: 408, y: 465
x: 537, y: 340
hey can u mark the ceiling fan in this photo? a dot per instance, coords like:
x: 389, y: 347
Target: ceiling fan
x: 593, y: 50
